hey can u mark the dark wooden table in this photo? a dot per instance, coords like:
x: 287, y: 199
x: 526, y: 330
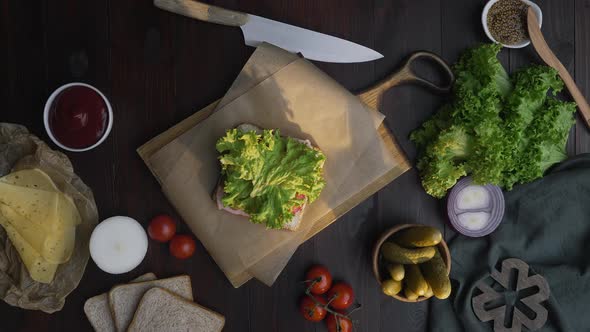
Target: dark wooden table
x: 158, y: 68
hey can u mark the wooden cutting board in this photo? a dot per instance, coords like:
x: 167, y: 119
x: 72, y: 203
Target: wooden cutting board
x: 147, y: 150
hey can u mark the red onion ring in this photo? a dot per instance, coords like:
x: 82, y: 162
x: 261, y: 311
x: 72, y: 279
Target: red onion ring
x: 495, y: 209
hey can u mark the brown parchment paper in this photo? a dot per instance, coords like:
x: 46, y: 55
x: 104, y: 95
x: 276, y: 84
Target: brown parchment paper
x: 21, y: 150
x: 266, y: 61
x: 302, y: 102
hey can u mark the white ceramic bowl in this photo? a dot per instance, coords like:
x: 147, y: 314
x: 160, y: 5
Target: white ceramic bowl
x: 484, y: 22
x: 50, y: 101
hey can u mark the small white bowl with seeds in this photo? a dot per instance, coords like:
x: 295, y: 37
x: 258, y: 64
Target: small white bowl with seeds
x: 505, y: 22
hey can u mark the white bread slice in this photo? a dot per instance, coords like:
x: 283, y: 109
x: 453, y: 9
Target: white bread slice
x: 162, y: 311
x: 98, y: 312
x: 124, y: 299
x: 292, y: 225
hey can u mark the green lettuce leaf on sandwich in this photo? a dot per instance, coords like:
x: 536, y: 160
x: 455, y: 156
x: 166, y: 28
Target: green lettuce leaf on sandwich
x: 268, y: 176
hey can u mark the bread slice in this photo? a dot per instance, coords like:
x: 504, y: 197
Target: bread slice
x: 98, y: 312
x: 292, y: 225
x: 124, y: 299
x: 163, y: 311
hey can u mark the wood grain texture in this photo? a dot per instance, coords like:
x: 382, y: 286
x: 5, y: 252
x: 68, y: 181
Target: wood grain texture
x: 558, y: 28
x: 581, y: 70
x: 400, y: 30
x: 373, y: 96
x: 551, y: 60
x: 157, y: 69
x: 204, y: 12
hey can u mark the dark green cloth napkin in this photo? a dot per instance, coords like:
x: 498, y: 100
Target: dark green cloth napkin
x: 547, y: 225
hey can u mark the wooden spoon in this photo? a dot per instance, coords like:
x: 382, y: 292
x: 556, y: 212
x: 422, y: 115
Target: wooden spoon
x: 551, y: 60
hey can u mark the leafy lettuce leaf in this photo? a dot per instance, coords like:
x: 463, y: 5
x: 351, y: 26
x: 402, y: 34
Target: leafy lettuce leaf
x: 444, y: 161
x: 546, y: 139
x: 524, y: 104
x: 499, y: 130
x: 471, y: 121
x: 267, y: 176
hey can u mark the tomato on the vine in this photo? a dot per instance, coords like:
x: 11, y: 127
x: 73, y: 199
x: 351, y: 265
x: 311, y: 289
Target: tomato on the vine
x: 341, y: 296
x: 162, y: 228
x: 318, y: 279
x: 311, y: 310
x: 333, y: 321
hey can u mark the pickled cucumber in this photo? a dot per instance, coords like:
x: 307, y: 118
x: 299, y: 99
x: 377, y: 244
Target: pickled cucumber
x: 391, y: 287
x: 396, y: 254
x: 422, y: 236
x: 409, y: 294
x: 435, y: 273
x: 415, y: 280
x: 428, y: 293
x: 396, y: 271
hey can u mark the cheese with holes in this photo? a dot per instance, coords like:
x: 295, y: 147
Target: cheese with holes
x: 40, y: 221
x: 51, y: 210
x: 30, y: 178
x: 39, y: 269
x: 55, y: 246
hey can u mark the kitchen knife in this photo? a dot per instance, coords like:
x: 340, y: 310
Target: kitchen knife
x: 313, y: 45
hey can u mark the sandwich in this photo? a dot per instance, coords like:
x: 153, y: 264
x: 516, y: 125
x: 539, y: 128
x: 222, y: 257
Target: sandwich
x: 266, y: 177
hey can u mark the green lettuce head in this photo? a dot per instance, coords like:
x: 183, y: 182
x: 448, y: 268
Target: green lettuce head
x: 268, y: 176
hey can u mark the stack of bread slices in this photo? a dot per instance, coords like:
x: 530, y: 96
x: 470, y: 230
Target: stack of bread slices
x: 150, y: 304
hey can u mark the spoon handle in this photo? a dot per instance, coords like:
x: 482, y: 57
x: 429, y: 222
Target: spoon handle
x: 576, y: 93
x: 550, y: 59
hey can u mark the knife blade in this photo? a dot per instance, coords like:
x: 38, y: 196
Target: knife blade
x: 313, y: 45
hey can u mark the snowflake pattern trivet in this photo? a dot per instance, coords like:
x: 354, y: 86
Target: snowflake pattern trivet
x: 535, y: 287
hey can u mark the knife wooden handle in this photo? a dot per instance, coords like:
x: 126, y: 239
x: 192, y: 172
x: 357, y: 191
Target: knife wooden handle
x: 203, y: 12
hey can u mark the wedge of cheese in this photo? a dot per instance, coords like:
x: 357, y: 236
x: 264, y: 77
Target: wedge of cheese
x: 30, y: 178
x: 39, y: 269
x: 55, y: 246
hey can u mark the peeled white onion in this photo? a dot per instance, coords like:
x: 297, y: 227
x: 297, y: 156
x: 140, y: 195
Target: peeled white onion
x: 118, y: 245
x: 473, y: 197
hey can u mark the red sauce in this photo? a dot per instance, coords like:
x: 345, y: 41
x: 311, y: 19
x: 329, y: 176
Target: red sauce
x: 78, y: 117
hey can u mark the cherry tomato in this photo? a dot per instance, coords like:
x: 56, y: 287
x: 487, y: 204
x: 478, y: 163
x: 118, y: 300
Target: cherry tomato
x: 300, y: 196
x: 311, y: 310
x: 182, y: 246
x: 341, y: 296
x: 322, y: 278
x: 333, y: 321
x: 162, y: 228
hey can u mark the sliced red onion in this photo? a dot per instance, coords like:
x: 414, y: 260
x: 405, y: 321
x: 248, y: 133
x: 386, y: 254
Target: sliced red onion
x: 475, y: 210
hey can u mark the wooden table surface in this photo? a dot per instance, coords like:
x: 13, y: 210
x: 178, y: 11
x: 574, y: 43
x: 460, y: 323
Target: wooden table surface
x: 158, y: 68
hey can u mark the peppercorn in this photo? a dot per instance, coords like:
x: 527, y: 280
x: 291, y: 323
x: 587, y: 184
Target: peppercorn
x: 507, y: 21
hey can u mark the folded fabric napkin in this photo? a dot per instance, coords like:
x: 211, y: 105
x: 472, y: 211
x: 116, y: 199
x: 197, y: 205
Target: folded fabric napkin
x: 546, y: 225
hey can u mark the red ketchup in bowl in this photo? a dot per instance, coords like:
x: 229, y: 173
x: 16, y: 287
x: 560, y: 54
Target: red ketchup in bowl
x: 78, y: 117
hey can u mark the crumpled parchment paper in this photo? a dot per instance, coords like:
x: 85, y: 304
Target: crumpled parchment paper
x: 21, y: 150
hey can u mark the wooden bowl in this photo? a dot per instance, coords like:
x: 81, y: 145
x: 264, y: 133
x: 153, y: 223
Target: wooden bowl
x: 442, y: 248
